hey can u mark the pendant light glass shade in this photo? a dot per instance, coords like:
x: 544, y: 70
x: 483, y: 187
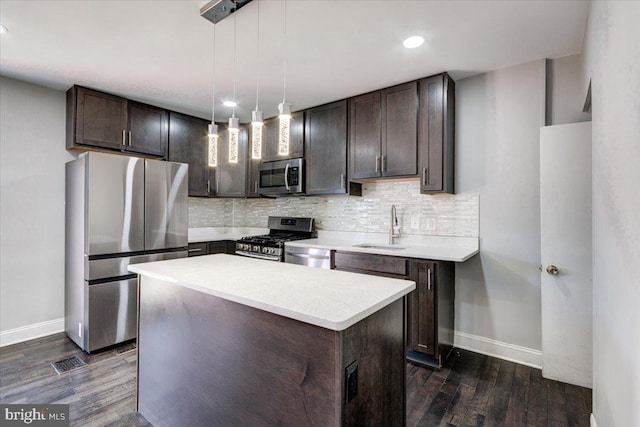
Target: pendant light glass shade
x: 256, y: 135
x: 213, y: 145
x: 234, y: 133
x: 284, y: 114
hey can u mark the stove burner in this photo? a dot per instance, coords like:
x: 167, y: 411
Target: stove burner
x: 271, y: 246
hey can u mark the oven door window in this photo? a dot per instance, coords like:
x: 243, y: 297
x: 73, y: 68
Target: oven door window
x: 272, y: 178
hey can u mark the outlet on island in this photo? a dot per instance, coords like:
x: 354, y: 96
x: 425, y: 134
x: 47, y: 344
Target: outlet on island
x: 431, y: 224
x: 351, y: 381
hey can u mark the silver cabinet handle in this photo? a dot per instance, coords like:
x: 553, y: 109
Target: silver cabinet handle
x: 195, y: 250
x: 208, y: 186
x: 342, y: 182
x: 256, y: 186
x: 384, y: 163
x: 429, y: 279
x: 129, y: 138
x: 124, y: 137
x: 552, y: 269
x: 286, y: 177
x: 377, y: 163
x: 425, y: 176
x: 307, y: 256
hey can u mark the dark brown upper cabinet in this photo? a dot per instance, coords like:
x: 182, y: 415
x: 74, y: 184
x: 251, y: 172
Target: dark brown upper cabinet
x: 148, y: 129
x: 296, y: 138
x: 326, y: 149
x: 383, y: 135
x: 188, y: 143
x: 102, y: 121
x: 231, y: 177
x: 436, y: 134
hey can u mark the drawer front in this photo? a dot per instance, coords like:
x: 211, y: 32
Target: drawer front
x: 372, y: 262
x: 197, y: 249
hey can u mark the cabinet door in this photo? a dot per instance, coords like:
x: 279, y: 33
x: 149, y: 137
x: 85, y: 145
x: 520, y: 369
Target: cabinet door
x: 364, y: 136
x: 435, y: 134
x: 399, y: 130
x: 421, y: 309
x: 296, y: 138
x: 188, y: 143
x: 231, y: 177
x: 100, y: 118
x: 148, y: 127
x: 326, y: 149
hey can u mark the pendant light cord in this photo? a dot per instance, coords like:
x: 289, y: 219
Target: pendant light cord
x: 258, y: 58
x: 213, y: 106
x: 284, y: 90
x: 234, y: 55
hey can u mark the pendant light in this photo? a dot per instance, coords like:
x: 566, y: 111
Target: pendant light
x: 234, y: 123
x: 256, y: 115
x: 284, y: 108
x: 213, y: 127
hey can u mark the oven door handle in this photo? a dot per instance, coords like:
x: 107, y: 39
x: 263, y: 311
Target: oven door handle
x: 286, y: 177
x: 259, y: 256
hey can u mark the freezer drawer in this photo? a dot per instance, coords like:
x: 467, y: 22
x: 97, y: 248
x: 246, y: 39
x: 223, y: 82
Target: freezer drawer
x: 113, y: 313
x: 117, y: 266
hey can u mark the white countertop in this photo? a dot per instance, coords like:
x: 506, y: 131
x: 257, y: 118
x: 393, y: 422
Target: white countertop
x: 327, y: 298
x: 439, y: 248
x: 210, y: 234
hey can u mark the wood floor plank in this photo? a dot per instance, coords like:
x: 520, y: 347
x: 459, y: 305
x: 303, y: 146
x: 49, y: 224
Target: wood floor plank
x: 470, y: 390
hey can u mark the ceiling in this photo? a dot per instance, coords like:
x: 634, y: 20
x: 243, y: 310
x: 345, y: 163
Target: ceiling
x: 161, y: 52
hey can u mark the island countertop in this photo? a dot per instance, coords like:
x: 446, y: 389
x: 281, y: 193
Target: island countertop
x: 330, y: 299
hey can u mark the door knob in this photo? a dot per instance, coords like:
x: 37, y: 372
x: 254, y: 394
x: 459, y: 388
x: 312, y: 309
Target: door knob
x: 552, y: 269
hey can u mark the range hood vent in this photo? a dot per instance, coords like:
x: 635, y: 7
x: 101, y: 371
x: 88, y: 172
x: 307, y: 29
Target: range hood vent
x: 216, y: 10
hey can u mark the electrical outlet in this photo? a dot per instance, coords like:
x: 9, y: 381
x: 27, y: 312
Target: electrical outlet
x: 431, y: 224
x: 351, y: 381
x: 415, y: 222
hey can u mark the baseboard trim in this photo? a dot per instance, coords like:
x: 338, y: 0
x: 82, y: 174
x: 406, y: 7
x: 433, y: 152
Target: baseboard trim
x: 502, y: 350
x: 29, y: 332
x: 592, y: 421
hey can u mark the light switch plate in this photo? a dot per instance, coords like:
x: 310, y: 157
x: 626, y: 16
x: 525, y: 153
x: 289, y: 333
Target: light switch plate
x: 415, y: 222
x: 431, y: 224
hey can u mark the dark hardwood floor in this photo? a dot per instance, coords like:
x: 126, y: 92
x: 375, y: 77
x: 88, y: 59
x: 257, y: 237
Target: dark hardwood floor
x: 472, y: 390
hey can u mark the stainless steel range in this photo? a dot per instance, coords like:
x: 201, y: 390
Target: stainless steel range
x: 271, y: 246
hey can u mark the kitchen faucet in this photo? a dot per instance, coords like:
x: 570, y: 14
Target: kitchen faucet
x: 394, y: 229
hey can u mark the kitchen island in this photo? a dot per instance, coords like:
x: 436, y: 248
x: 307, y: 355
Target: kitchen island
x: 227, y: 340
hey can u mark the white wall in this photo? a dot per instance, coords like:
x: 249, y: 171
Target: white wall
x: 32, y: 158
x: 498, y: 119
x: 565, y: 94
x: 612, y: 59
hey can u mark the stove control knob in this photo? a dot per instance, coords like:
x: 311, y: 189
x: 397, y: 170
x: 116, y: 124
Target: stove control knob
x: 265, y: 250
x: 256, y: 248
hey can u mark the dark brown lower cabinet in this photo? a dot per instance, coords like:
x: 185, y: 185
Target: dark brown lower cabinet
x: 210, y: 248
x: 430, y: 307
x: 197, y: 249
x: 430, y: 311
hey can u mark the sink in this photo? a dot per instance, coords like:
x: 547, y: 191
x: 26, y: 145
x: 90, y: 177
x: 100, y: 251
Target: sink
x: 379, y: 246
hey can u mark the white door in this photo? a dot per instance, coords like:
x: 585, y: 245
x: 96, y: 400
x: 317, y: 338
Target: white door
x: 566, y: 256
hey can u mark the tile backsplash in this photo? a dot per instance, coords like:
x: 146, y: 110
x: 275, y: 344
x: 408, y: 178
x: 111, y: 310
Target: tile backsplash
x: 441, y: 215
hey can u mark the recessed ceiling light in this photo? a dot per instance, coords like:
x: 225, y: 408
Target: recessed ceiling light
x: 230, y: 104
x: 3, y: 29
x: 413, y: 41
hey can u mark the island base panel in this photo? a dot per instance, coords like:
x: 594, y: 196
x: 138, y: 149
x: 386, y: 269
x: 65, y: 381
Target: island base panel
x: 204, y: 360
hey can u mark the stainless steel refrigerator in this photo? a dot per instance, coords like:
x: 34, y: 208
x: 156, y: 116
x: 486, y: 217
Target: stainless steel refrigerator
x: 120, y: 210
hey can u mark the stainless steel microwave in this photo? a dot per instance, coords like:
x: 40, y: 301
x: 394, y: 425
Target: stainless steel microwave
x: 281, y: 177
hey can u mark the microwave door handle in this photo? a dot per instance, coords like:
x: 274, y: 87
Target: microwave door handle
x: 286, y: 177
